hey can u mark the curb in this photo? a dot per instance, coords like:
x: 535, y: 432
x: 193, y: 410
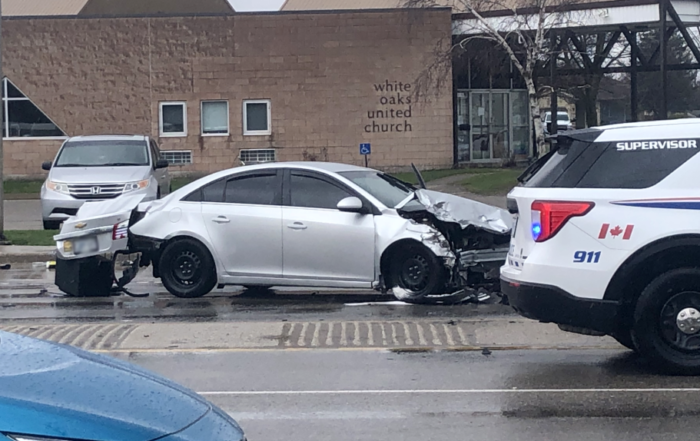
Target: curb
x: 27, y: 257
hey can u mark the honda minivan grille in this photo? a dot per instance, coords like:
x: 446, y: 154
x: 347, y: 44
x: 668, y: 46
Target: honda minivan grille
x: 95, y: 191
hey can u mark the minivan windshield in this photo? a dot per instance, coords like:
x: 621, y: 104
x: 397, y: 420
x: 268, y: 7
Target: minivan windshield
x: 385, y: 188
x: 103, y: 154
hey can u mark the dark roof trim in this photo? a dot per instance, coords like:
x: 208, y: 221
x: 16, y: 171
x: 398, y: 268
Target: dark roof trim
x: 563, y: 8
x: 227, y: 14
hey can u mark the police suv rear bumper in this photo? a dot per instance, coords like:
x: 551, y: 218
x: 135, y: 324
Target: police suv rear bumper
x: 550, y: 304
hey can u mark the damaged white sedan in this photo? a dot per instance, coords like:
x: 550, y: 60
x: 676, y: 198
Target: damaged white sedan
x: 302, y: 224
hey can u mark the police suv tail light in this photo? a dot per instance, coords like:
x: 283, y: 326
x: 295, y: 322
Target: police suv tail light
x: 549, y: 217
x: 120, y: 230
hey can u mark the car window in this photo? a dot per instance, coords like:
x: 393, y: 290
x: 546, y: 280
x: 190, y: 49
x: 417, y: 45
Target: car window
x: 114, y: 153
x: 154, y: 151
x: 213, y: 192
x: 630, y: 164
x: 312, y: 192
x: 387, y: 189
x: 260, y: 189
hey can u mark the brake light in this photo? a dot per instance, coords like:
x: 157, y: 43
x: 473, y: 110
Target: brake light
x: 549, y: 217
x: 120, y: 230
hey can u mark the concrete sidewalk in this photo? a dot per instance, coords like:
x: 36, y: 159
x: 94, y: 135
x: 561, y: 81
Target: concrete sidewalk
x: 409, y: 334
x: 13, y: 254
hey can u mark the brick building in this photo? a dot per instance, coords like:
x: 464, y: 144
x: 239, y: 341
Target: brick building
x: 218, y: 87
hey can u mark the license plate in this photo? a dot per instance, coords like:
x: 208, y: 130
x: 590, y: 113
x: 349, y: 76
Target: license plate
x: 515, y: 225
x: 84, y: 246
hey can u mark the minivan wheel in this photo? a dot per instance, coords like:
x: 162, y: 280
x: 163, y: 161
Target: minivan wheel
x: 187, y: 269
x: 416, y: 270
x: 667, y: 322
x: 52, y: 225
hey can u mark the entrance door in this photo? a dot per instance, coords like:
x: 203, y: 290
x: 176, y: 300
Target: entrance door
x: 490, y: 128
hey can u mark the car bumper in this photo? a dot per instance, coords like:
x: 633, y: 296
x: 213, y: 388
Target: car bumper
x: 59, y: 207
x: 550, y: 304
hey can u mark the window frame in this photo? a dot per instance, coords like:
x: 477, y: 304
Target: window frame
x: 279, y: 192
x: 163, y: 154
x: 267, y: 132
x: 182, y: 134
x: 5, y: 98
x: 228, y: 118
x: 332, y: 180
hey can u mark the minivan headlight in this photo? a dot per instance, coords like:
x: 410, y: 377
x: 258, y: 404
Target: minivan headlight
x: 140, y: 185
x: 58, y: 187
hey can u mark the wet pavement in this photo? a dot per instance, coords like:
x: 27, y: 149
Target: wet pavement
x: 513, y: 395
x: 28, y: 294
x: 349, y: 365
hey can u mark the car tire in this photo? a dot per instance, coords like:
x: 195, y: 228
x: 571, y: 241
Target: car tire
x: 417, y: 270
x: 624, y: 337
x: 657, y: 331
x: 52, y: 225
x: 187, y: 269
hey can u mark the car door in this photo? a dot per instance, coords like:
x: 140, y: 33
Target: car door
x: 319, y: 241
x: 243, y: 216
x: 161, y: 175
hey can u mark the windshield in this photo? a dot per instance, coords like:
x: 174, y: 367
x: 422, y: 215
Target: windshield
x: 562, y: 117
x: 103, y: 154
x: 386, y: 189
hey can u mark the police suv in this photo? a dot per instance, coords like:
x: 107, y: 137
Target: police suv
x: 607, y: 239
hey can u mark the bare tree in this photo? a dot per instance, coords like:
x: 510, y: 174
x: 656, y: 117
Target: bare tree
x: 522, y: 31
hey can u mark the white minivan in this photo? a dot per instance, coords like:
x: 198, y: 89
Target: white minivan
x: 98, y: 168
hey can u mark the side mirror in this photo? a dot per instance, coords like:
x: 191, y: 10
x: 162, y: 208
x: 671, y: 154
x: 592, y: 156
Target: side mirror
x: 351, y: 205
x: 162, y: 163
x: 46, y: 165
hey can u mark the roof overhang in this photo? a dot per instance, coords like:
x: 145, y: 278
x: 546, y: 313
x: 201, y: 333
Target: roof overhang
x: 634, y: 14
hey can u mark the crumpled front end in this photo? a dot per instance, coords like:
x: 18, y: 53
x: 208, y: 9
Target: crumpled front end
x: 471, y: 237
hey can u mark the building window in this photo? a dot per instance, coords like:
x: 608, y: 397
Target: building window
x: 177, y: 157
x: 21, y: 118
x: 256, y: 117
x: 215, y: 118
x: 173, y: 119
x: 258, y: 156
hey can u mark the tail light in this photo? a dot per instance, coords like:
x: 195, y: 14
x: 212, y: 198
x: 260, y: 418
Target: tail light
x: 549, y: 217
x: 120, y: 230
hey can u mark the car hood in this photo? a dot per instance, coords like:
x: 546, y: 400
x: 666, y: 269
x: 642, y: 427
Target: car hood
x: 52, y: 390
x: 457, y: 210
x: 98, y: 175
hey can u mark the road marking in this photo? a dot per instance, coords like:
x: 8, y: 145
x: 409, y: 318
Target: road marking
x: 351, y: 349
x: 307, y: 416
x: 443, y: 391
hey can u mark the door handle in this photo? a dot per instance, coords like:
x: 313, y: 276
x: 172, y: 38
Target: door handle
x: 221, y: 220
x: 297, y: 226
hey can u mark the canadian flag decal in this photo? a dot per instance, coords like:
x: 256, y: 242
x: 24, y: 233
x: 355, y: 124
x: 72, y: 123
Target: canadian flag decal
x: 615, y: 232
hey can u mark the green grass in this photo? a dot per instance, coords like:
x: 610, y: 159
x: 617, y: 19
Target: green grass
x: 432, y: 175
x: 178, y: 183
x: 31, y: 237
x: 499, y: 182
x: 23, y: 186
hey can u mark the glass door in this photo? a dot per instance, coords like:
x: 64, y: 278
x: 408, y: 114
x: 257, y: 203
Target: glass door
x: 480, y: 110
x: 463, y: 128
x: 499, y: 127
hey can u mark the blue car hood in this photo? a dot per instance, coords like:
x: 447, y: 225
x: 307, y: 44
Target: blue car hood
x: 58, y: 391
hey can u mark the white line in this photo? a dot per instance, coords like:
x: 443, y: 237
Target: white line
x: 438, y: 391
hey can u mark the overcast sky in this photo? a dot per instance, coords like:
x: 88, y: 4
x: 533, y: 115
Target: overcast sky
x: 256, y: 5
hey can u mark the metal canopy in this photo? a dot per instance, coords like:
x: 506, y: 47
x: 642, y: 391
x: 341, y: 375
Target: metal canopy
x: 621, y: 18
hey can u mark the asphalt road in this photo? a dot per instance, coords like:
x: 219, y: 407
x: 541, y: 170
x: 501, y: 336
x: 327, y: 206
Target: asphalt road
x: 369, y: 395
x: 23, y: 215
x: 353, y: 366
